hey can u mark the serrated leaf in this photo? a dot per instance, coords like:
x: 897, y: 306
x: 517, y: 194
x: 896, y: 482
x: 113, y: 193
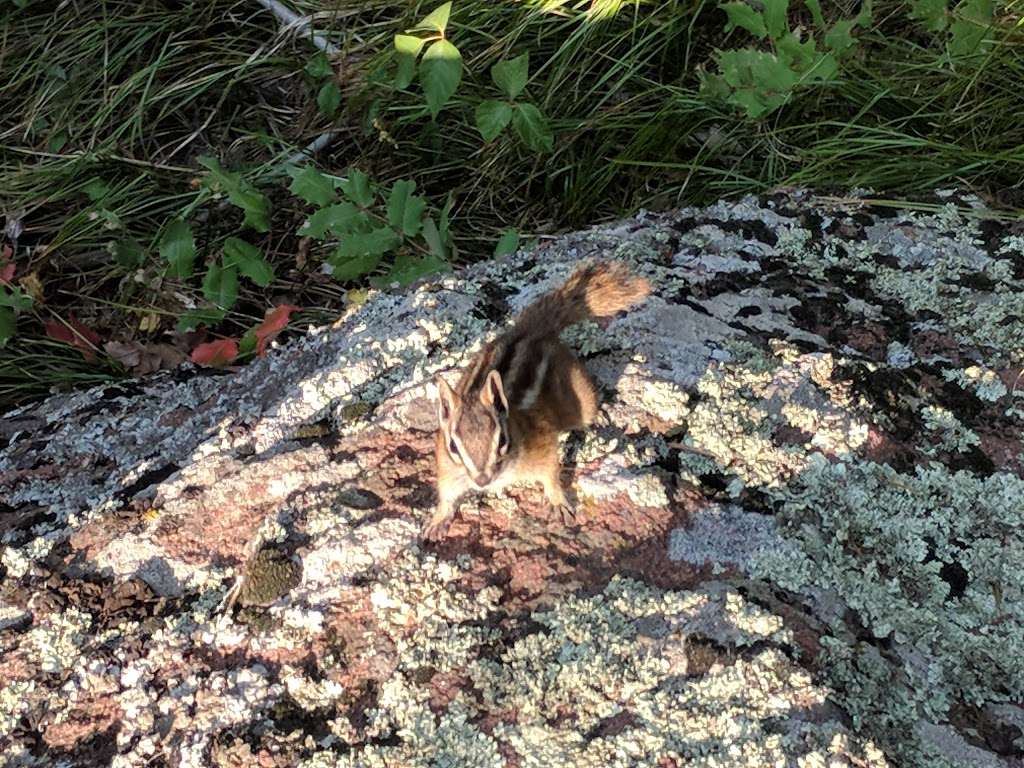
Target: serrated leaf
x: 220, y: 285
x: 249, y: 261
x: 796, y: 55
x: 357, y: 188
x: 178, y: 248
x: 760, y: 81
x: 360, y: 253
x: 328, y: 98
x: 407, y: 49
x: 240, y: 192
x: 408, y: 269
x: 340, y: 219
x: 507, y: 243
x: 838, y: 39
x: 8, y: 326
x: 433, y: 238
x: 743, y: 16
x: 933, y: 14
x: 492, y: 117
x: 775, y: 12
x: 319, y: 66
x: 511, y: 75
x: 96, y: 190
x: 248, y: 342
x: 437, y: 19
x: 532, y: 128
x: 195, y: 317
x: 815, y: 8
x: 128, y: 253
x: 405, y: 210
x: 311, y: 185
x: 440, y: 73
x: 274, y: 321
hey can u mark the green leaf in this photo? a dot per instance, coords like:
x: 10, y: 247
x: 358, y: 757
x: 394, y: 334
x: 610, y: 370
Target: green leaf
x: 440, y: 73
x: 178, y: 248
x: 319, y: 66
x: 972, y: 21
x: 743, y: 16
x: 8, y: 326
x: 492, y: 117
x: 532, y: 128
x: 311, y: 185
x: 405, y: 210
x: 408, y: 50
x: 96, y: 189
x: 507, y: 243
x: 433, y: 238
x: 340, y: 219
x: 240, y: 192
x: 760, y: 81
x: 437, y: 19
x: 14, y: 298
x: 328, y: 98
x: 361, y: 252
x: 248, y: 343
x: 838, y: 39
x: 775, y: 17
x: 933, y: 14
x: 408, y: 269
x: 196, y: 317
x: 796, y: 55
x: 815, y: 8
x: 357, y: 188
x: 220, y: 285
x: 128, y: 253
x: 249, y: 261
x: 511, y: 76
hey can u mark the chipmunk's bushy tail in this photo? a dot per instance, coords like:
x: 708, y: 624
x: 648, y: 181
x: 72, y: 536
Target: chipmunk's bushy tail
x: 599, y: 289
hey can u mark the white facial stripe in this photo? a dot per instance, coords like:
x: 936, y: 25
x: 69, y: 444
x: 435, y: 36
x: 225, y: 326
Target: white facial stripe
x: 533, y: 392
x: 467, y: 460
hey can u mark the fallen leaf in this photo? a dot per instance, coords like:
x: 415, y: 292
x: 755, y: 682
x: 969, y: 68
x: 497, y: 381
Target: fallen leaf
x: 275, y: 321
x: 33, y: 286
x: 141, y: 359
x: 216, y: 354
x: 76, y: 334
x: 7, y: 272
x: 149, y: 322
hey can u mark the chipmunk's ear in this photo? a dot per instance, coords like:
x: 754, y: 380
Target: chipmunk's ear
x: 493, y: 393
x: 446, y: 399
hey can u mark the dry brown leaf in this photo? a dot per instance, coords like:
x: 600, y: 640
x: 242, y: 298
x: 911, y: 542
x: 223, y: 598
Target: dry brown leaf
x: 141, y: 359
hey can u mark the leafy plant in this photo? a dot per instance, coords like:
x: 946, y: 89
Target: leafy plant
x: 759, y: 81
x: 440, y: 69
x: 328, y: 95
x: 492, y: 116
x: 368, y: 225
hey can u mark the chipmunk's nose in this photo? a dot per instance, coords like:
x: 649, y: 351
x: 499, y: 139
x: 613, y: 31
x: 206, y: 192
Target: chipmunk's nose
x: 483, y: 480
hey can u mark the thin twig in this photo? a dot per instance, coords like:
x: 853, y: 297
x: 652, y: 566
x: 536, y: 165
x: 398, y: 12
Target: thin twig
x: 291, y: 20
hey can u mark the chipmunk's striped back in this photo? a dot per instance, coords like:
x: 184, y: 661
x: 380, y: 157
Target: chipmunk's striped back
x: 524, y: 387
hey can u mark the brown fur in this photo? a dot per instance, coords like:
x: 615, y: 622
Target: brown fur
x: 501, y: 423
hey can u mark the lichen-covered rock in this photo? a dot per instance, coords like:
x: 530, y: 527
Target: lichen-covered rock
x: 799, y: 539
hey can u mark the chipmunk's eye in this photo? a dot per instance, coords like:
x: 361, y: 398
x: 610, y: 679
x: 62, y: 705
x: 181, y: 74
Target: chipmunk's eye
x: 453, y: 449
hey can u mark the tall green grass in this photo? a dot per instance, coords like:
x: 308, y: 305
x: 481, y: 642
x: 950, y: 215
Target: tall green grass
x: 108, y: 104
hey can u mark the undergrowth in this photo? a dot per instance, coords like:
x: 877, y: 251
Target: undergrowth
x: 156, y: 207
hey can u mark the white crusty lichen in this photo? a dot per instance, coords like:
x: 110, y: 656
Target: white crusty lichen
x: 930, y: 561
x: 984, y: 382
x: 951, y: 434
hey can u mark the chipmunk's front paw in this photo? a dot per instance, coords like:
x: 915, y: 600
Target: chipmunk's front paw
x: 436, y: 526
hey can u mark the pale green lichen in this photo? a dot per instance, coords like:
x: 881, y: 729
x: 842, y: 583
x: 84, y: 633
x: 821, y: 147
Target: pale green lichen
x: 885, y: 543
x: 951, y: 434
x: 985, y: 382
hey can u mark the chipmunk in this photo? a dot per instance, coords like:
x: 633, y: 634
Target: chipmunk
x: 500, y: 425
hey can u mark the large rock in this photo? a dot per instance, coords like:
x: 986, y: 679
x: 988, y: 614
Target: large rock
x: 799, y: 539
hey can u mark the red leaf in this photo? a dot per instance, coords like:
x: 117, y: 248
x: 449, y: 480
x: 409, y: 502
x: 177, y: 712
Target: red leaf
x: 216, y: 354
x: 275, y: 321
x: 7, y: 272
x: 76, y: 334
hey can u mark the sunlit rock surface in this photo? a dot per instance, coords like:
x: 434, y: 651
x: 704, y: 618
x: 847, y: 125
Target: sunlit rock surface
x: 798, y: 543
